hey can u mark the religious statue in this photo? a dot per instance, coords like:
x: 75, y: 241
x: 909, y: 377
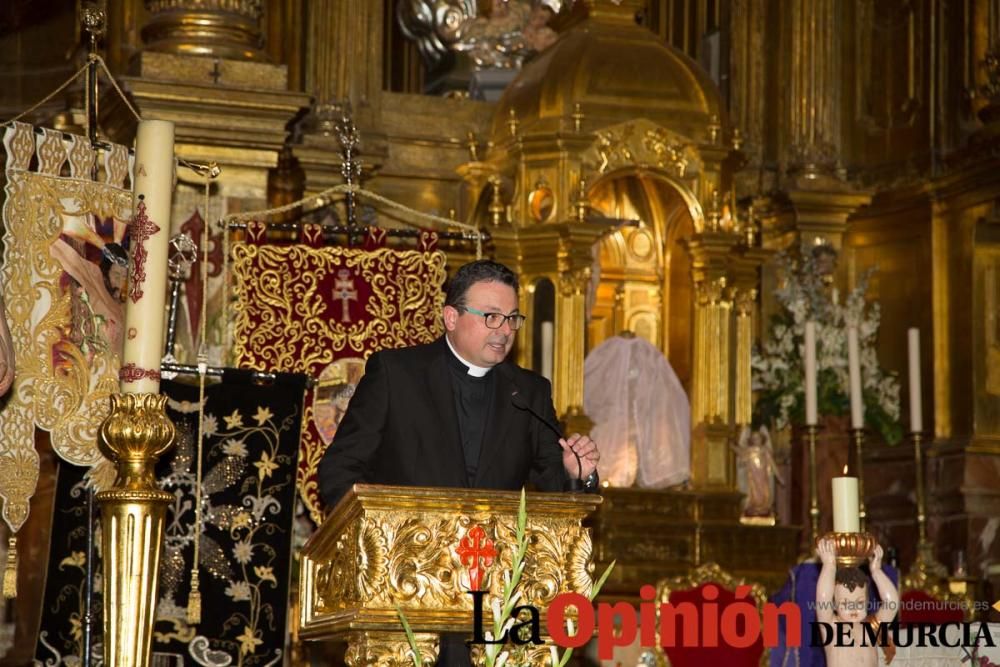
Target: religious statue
x: 496, y: 40
x: 538, y: 36
x: 755, y: 456
x: 842, y: 597
x: 6, y: 351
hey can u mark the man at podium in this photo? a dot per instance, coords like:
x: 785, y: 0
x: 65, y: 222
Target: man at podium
x: 456, y: 412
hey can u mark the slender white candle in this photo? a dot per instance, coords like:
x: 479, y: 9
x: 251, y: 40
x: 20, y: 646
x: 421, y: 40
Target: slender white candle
x: 854, y: 366
x: 810, y: 373
x: 845, y: 504
x: 152, y: 185
x: 916, y: 413
x: 548, y: 336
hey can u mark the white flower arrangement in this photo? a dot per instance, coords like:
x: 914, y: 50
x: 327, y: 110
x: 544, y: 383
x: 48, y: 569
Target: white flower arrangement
x: 777, y: 368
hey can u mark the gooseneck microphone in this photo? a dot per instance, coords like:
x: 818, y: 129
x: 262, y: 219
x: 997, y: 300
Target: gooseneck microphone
x: 521, y: 404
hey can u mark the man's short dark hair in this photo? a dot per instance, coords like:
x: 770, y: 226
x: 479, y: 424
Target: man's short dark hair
x: 480, y: 271
x: 851, y: 578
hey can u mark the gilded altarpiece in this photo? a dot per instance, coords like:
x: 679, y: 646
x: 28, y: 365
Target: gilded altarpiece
x: 322, y: 311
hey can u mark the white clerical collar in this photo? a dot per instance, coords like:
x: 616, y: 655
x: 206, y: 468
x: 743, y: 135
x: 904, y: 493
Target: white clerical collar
x: 474, y: 371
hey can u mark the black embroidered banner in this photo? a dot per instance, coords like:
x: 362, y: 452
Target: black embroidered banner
x: 248, y: 495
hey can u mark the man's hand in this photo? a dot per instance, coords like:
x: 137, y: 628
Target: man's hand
x: 875, y: 560
x: 583, y: 447
x: 827, y: 551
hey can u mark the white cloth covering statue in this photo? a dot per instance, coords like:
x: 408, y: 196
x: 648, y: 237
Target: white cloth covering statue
x: 641, y: 414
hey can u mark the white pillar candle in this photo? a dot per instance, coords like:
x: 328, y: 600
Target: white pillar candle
x: 810, y: 363
x: 149, y: 231
x: 916, y: 412
x: 854, y: 366
x: 548, y: 337
x: 845, y: 504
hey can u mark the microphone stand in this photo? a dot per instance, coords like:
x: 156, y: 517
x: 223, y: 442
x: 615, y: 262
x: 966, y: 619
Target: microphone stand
x: 519, y: 403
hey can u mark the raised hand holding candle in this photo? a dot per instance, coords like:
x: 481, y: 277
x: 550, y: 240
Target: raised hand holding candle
x: 845, y: 504
x: 854, y: 367
x: 810, y: 363
x: 149, y: 231
x: 916, y: 413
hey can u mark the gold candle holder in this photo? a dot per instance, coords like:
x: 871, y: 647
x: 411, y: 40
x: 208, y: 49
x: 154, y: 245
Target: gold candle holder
x: 134, y: 436
x: 853, y: 549
x: 925, y: 567
x: 858, y: 435
x: 813, y: 489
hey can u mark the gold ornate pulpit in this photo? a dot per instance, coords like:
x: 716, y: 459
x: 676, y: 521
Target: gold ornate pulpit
x: 384, y: 546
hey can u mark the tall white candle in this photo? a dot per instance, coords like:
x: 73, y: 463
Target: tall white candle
x: 845, y: 504
x: 916, y: 412
x: 548, y: 337
x: 810, y: 363
x: 149, y: 230
x: 854, y: 366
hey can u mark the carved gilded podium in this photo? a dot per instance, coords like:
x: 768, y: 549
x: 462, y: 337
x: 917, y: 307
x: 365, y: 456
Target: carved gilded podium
x: 419, y: 548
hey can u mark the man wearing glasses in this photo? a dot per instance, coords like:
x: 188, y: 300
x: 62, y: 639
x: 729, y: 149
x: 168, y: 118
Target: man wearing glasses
x: 455, y: 412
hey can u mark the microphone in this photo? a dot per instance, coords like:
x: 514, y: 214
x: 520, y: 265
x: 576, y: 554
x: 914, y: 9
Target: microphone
x: 521, y: 404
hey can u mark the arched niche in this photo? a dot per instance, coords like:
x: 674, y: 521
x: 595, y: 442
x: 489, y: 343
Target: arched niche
x: 645, y: 283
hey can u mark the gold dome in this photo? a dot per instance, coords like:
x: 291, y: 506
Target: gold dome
x: 616, y: 71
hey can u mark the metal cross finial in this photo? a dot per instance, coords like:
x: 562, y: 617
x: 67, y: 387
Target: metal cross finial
x: 182, y: 255
x: 350, y: 166
x: 94, y: 21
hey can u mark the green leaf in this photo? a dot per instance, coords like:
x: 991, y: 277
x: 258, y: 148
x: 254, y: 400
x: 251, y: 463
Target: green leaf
x: 417, y: 658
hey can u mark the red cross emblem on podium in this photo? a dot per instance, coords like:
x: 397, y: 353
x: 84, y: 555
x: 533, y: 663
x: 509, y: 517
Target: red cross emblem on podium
x: 477, y: 553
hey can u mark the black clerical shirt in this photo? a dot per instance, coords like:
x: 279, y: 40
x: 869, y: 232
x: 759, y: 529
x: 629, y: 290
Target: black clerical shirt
x: 473, y: 398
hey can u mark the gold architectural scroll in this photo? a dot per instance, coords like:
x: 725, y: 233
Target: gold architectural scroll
x: 63, y: 282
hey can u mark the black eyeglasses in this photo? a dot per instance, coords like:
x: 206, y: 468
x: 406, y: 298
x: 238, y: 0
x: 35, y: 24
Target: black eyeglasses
x: 496, y: 320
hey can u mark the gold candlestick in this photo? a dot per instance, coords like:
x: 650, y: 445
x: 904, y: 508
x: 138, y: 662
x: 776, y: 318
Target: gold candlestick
x: 134, y: 436
x: 925, y: 567
x: 813, y: 489
x: 858, y: 435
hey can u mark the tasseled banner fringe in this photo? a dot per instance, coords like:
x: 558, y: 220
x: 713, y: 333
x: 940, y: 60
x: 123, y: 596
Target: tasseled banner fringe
x: 10, y: 572
x: 194, y: 600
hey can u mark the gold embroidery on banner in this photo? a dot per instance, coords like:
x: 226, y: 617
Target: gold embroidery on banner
x: 289, y: 324
x: 288, y: 315
x: 64, y: 377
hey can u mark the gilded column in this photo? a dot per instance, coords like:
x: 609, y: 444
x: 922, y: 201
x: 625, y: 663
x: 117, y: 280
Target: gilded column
x: 569, y: 349
x: 344, y: 48
x: 133, y: 437
x: 215, y: 28
x: 712, y: 464
x: 742, y: 394
x: 812, y: 143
